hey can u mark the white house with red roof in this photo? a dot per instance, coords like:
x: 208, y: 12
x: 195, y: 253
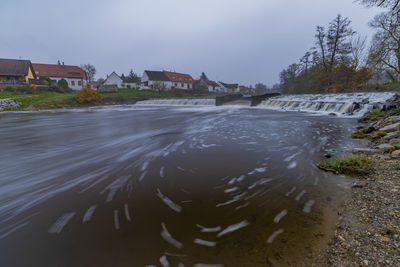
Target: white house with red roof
x: 166, y: 80
x: 74, y: 75
x: 180, y: 80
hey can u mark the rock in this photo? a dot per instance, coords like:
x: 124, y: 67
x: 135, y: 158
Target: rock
x: 8, y: 102
x: 383, y: 147
x: 368, y: 151
x: 390, y: 128
x: 395, y: 154
x: 369, y: 130
x: 395, y: 141
x: 392, y: 135
x: 393, y: 119
x: 332, y: 114
x: 328, y: 156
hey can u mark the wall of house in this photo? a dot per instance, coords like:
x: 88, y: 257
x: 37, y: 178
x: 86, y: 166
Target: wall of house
x: 29, y: 76
x: 113, y: 79
x: 73, y: 83
x: 180, y: 85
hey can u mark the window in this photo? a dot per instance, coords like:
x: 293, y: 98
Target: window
x: 53, y: 73
x: 61, y: 73
x: 73, y: 83
x: 182, y: 84
x: 37, y: 72
x: 176, y: 84
x: 80, y: 83
x: 74, y: 73
x: 45, y: 72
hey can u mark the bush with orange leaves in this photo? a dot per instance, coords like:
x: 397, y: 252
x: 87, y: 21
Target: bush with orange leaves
x: 89, y: 96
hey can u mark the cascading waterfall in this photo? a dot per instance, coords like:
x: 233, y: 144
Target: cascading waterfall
x: 179, y: 102
x: 352, y: 104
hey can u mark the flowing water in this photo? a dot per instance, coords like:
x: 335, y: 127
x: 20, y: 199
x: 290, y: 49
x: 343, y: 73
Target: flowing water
x: 349, y: 104
x: 146, y: 185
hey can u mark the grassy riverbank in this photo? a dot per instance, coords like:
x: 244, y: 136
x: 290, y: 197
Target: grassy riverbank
x: 51, y: 100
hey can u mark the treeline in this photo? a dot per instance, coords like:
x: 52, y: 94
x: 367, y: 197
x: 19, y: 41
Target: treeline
x: 341, y: 61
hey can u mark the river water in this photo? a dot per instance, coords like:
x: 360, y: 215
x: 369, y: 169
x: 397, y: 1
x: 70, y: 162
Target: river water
x: 167, y: 186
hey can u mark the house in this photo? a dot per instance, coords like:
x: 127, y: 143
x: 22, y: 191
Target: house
x: 212, y: 86
x: 157, y: 80
x: 180, y: 80
x: 244, y: 90
x: 16, y: 72
x: 229, y: 88
x: 74, y: 75
x: 115, y: 79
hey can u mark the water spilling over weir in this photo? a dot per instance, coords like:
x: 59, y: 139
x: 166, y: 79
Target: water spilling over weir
x: 349, y: 104
x: 352, y: 104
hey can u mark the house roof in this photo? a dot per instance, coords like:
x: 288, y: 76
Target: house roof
x: 179, y: 77
x: 230, y: 86
x: 157, y: 76
x: 59, y: 71
x: 212, y: 83
x: 15, y: 67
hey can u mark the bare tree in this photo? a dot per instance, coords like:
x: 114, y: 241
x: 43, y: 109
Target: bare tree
x: 90, y: 71
x: 385, y: 49
x: 393, y: 4
x: 358, y: 51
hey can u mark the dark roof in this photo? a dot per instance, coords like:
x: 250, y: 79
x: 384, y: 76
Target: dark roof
x: 15, y: 67
x: 212, y: 83
x: 157, y: 76
x: 230, y: 86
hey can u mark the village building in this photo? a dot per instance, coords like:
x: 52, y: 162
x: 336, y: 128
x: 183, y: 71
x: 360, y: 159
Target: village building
x: 115, y: 79
x: 74, y: 75
x: 211, y: 86
x: 229, y: 88
x: 16, y: 72
x: 180, y: 80
x: 156, y: 80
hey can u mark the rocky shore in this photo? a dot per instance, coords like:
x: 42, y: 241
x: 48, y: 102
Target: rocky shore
x: 8, y: 102
x: 368, y: 229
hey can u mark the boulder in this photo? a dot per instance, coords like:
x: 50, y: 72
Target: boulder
x: 8, y: 102
x: 395, y: 141
x: 390, y: 128
x: 392, y: 135
x: 384, y: 147
x: 368, y: 151
x: 395, y: 154
x: 393, y: 119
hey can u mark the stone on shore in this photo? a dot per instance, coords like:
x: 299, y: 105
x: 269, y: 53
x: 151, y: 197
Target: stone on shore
x: 8, y: 102
x: 384, y: 147
x: 392, y: 135
x: 390, y: 128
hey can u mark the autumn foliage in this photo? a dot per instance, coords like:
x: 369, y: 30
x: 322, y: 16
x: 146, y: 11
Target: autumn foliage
x: 87, y: 95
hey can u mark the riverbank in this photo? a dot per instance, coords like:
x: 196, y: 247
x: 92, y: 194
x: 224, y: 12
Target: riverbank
x: 367, y: 232
x: 52, y: 100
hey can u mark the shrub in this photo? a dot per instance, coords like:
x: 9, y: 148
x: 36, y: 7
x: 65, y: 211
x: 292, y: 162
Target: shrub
x: 89, y: 96
x: 32, y: 89
x: 45, y: 80
x: 359, y: 134
x: 356, y: 165
x: 371, y: 115
x: 9, y: 88
x: 62, y: 84
x: 21, y: 89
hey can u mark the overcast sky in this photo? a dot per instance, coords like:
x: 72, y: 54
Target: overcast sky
x: 230, y: 40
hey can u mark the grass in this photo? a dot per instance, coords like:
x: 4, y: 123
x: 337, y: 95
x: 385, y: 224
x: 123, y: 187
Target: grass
x: 51, y: 100
x: 396, y: 111
x: 371, y: 115
x: 397, y: 168
x: 359, y: 134
x: 354, y: 165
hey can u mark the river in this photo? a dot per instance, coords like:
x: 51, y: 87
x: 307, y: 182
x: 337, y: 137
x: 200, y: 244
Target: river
x: 167, y: 186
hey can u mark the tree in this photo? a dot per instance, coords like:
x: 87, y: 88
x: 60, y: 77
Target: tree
x: 358, y: 47
x: 393, y: 4
x: 63, y: 84
x: 260, y: 88
x: 385, y: 48
x: 90, y: 71
x: 123, y: 78
x: 203, y: 76
x: 132, y: 77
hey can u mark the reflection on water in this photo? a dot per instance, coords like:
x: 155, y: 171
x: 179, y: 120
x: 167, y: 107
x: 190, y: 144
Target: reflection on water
x: 165, y: 186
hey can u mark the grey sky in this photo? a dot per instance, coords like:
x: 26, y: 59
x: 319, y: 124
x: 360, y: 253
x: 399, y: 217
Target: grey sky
x: 231, y: 40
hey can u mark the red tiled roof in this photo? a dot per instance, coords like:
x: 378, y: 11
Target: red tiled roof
x: 59, y: 71
x: 179, y: 77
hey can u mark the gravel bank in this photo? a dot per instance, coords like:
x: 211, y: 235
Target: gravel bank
x: 368, y: 229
